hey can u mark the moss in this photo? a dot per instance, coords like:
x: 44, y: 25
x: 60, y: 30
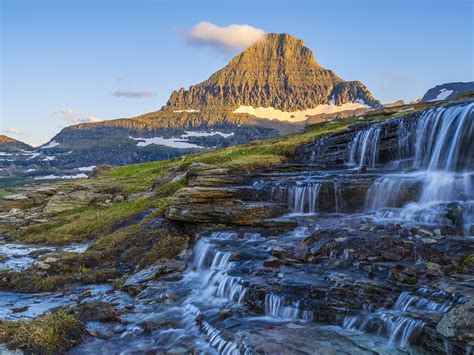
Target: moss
x: 467, y: 259
x: 50, y: 333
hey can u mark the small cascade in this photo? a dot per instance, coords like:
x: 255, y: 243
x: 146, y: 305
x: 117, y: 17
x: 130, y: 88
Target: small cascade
x: 302, y: 197
x: 364, y: 148
x: 212, y: 267
x: 276, y: 307
x: 203, y: 251
x: 406, y: 301
x: 400, y: 331
x: 225, y: 347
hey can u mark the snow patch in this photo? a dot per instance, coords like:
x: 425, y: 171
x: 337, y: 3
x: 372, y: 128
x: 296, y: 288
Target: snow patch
x: 54, y: 177
x: 51, y: 144
x: 169, y: 142
x: 443, y: 94
x: 49, y: 158
x: 298, y: 116
x: 205, y: 134
x: 30, y: 170
x: 3, y: 154
x: 87, y: 168
x: 191, y: 110
x: 33, y: 155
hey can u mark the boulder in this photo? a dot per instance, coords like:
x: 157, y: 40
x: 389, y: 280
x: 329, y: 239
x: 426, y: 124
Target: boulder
x: 458, y: 322
x: 64, y: 201
x: 249, y: 214
x: 160, y: 268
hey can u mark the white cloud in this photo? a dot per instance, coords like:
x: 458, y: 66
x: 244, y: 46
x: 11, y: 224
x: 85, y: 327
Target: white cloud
x: 132, y: 93
x: 89, y: 119
x: 232, y: 37
x: 13, y: 131
x: 72, y: 116
x: 67, y: 111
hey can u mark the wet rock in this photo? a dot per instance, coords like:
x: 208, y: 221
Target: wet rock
x: 225, y: 313
x: 248, y: 214
x: 405, y: 274
x: 161, y: 268
x: 458, y: 322
x: 271, y: 262
x: 19, y: 309
x: 42, y: 265
x: 455, y: 213
x: 301, y: 252
x: 100, y: 330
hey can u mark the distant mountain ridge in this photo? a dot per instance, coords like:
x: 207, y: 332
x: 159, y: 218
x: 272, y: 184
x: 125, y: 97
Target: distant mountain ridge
x: 447, y: 91
x: 8, y: 144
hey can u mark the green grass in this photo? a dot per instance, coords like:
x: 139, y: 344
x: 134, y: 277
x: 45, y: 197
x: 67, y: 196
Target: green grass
x: 84, y: 223
x: 50, y: 333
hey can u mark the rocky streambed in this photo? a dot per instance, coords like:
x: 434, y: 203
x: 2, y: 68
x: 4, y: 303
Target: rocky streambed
x: 362, y: 244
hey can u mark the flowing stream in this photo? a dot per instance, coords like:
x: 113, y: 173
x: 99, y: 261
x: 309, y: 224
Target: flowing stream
x: 230, y: 301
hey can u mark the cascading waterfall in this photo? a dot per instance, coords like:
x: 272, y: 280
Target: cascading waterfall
x: 399, y: 329
x: 364, y: 148
x: 407, y: 300
x: 302, y: 197
x: 440, y: 144
x: 276, y: 307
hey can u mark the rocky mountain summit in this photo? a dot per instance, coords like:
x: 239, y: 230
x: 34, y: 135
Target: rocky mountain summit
x: 8, y: 144
x: 279, y: 72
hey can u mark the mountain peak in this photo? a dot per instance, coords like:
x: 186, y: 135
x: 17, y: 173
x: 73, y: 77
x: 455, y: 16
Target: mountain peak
x: 277, y: 72
x: 6, y: 139
x: 276, y: 49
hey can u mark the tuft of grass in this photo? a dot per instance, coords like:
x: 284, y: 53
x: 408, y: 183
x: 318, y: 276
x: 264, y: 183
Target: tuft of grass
x: 85, y: 223
x: 50, y: 333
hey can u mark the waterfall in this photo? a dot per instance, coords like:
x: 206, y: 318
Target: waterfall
x: 302, y: 198
x: 365, y: 147
x: 440, y: 143
x: 276, y: 307
x: 444, y: 138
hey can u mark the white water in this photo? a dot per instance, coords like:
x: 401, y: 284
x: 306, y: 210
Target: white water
x: 440, y: 145
x: 277, y: 307
x: 365, y: 147
x: 302, y: 197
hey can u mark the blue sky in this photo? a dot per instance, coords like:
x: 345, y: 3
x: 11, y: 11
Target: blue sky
x: 64, y: 60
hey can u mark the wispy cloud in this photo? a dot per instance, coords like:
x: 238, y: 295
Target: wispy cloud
x: 232, y: 37
x: 88, y: 119
x: 73, y: 116
x: 13, y: 131
x: 67, y: 111
x: 132, y: 93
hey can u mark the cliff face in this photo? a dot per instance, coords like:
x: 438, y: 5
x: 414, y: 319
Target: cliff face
x: 279, y: 72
